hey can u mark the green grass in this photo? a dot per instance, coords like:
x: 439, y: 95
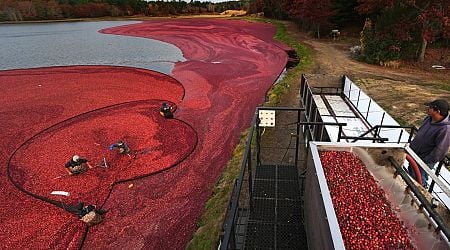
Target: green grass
x: 210, y: 224
x: 207, y: 235
x: 442, y: 85
x: 293, y: 75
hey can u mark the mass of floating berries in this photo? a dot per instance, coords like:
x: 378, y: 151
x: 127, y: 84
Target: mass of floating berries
x: 229, y: 67
x: 366, y: 218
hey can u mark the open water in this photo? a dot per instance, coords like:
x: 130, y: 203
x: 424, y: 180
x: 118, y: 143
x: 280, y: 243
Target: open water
x: 80, y: 43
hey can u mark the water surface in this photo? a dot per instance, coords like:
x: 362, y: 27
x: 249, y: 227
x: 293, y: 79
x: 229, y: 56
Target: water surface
x: 80, y: 43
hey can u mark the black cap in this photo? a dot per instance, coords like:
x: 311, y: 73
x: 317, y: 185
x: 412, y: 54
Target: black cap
x: 439, y: 104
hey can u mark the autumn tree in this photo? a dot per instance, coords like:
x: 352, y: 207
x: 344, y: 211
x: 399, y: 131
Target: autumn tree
x: 9, y: 11
x: 256, y: 6
x: 316, y: 13
x: 274, y: 9
x: 411, y: 25
x: 434, y: 22
x: 345, y: 13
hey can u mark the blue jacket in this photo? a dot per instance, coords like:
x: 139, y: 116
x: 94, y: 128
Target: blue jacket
x: 432, y: 141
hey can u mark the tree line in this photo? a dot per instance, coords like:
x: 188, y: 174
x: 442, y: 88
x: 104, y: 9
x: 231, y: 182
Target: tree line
x: 26, y: 10
x: 392, y: 29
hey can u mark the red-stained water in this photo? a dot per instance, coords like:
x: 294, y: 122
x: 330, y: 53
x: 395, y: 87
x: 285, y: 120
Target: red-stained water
x: 230, y: 65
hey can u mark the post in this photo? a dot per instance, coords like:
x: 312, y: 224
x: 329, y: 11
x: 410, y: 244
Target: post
x: 368, y: 109
x: 382, y: 118
x: 250, y: 178
x: 258, y: 142
x: 400, y: 136
x: 339, y: 133
x: 297, y: 140
x: 350, y: 92
x: 359, y: 95
x: 438, y: 170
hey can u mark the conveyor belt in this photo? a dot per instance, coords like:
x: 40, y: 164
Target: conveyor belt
x: 333, y: 108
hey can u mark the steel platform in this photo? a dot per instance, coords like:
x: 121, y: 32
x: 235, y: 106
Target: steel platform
x: 276, y: 216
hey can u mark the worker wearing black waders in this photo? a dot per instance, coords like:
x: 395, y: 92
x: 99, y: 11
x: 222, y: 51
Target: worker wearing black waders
x: 89, y: 214
x: 77, y: 165
x: 122, y: 148
x: 166, y: 110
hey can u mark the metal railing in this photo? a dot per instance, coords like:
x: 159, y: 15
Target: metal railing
x: 309, y: 125
x: 375, y: 131
x: 240, y: 205
x: 354, y: 97
x: 441, y: 224
x: 444, y: 163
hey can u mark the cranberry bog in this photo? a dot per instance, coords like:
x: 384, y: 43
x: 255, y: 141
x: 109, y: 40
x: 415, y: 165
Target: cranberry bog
x: 365, y: 202
x: 49, y: 114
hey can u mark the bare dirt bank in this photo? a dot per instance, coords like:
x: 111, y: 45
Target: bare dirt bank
x: 401, y: 92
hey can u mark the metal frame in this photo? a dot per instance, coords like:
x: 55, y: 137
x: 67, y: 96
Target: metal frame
x: 307, y: 100
x: 420, y: 199
x: 312, y: 128
x: 228, y: 239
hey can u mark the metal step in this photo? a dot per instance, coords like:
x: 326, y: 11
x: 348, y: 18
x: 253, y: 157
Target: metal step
x: 276, y: 216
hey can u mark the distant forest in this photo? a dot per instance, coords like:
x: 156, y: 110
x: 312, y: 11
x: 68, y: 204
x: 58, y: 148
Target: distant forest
x: 28, y: 10
x: 391, y: 29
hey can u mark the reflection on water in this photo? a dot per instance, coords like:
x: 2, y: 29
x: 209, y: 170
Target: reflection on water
x: 80, y: 43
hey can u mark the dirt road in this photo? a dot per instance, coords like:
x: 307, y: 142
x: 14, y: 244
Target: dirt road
x: 401, y: 92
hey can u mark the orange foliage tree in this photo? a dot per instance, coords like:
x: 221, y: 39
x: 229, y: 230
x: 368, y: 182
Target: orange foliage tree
x: 412, y: 23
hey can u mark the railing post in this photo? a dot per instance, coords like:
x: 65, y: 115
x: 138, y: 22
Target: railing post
x: 357, y: 101
x: 297, y: 141
x: 250, y: 177
x: 302, y: 88
x: 322, y: 127
x: 339, y: 133
x: 368, y: 108
x: 258, y: 142
x: 350, y: 91
x: 382, y: 119
x: 377, y: 134
x: 438, y: 171
x: 411, y: 134
x: 232, y: 238
x: 400, y: 136
x: 310, y: 105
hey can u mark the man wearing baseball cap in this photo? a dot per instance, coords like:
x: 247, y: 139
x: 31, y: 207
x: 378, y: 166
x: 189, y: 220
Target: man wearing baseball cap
x: 432, y: 141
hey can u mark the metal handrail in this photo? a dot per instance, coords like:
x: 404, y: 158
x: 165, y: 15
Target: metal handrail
x: 377, y: 128
x: 230, y: 217
x: 424, y: 202
x: 237, y: 189
x: 446, y: 162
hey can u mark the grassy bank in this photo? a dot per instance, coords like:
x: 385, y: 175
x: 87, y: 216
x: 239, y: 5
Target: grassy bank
x: 210, y: 223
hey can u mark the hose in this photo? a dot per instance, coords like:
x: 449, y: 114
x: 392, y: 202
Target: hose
x: 415, y: 167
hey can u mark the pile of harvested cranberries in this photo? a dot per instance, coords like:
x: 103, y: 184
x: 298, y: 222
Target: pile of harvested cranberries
x: 366, y: 218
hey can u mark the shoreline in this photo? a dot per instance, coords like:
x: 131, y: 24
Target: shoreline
x: 110, y: 18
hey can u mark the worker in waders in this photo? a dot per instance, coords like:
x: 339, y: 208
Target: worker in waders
x: 166, y: 110
x: 89, y: 214
x: 77, y: 165
x: 121, y: 147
